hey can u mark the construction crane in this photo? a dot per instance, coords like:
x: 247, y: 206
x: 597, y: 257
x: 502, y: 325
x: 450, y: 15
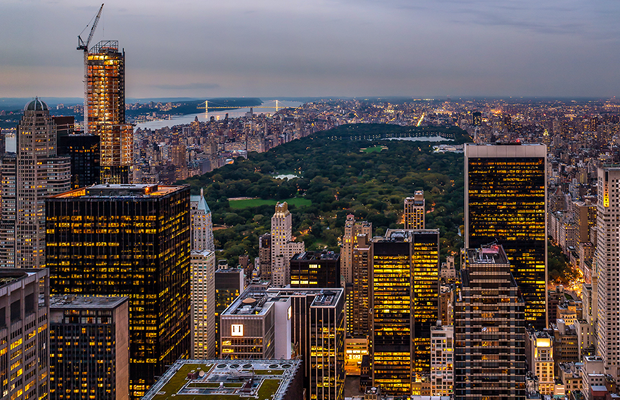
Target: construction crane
x: 84, y: 46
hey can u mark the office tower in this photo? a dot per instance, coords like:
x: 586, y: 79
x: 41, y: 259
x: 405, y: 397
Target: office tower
x: 362, y: 270
x: 24, y: 338
x: 84, y: 153
x: 489, y: 328
x: 314, y: 269
x: 105, y: 110
x: 352, y: 230
x: 230, y: 379
x: 89, y: 348
x: 203, y: 304
x: 318, y: 335
x: 354, y: 350
x: 65, y: 125
x: 415, y: 211
x: 229, y: 284
x: 584, y: 213
x: 607, y: 254
x: 405, y: 293
x: 442, y: 360
x: 264, y: 255
x: 202, y: 225
x: 128, y: 240
x: 592, y: 376
x: 28, y: 177
x: 505, y: 202
x: 282, y: 246
x: 540, y: 361
x: 257, y: 325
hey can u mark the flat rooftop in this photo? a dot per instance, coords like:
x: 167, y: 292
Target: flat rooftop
x: 225, y: 379
x: 73, y: 302
x: 489, y: 254
x: 404, y: 235
x: 316, y: 256
x: 120, y: 190
x: 250, y: 302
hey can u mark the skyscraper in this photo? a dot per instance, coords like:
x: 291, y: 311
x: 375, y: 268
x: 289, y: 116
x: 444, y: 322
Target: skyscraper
x: 415, y: 211
x: 264, y: 255
x: 85, y: 155
x: 362, y: 270
x: 202, y: 225
x: 203, y: 304
x: 349, y: 240
x: 405, y: 292
x: 128, y: 240
x: 105, y: 113
x: 506, y: 202
x: 607, y: 257
x: 489, y: 329
x: 282, y: 246
x: 27, y: 178
x: 313, y: 269
x: 229, y: 284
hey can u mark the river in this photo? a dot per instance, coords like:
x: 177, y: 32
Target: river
x: 203, y: 117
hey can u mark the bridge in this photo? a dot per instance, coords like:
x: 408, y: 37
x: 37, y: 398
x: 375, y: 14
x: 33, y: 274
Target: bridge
x: 217, y: 106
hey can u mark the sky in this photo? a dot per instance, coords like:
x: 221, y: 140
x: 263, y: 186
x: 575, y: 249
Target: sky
x: 271, y: 48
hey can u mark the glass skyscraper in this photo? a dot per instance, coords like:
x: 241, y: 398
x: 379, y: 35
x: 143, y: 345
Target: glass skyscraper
x: 505, y: 202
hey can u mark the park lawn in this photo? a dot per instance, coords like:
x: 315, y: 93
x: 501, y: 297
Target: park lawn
x: 376, y: 149
x: 241, y: 204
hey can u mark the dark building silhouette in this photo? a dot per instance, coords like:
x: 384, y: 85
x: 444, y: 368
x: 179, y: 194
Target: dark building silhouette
x: 313, y: 269
x: 84, y: 152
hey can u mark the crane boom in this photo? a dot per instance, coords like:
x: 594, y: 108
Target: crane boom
x: 81, y: 44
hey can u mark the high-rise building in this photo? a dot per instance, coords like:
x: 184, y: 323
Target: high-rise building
x: 203, y: 304
x: 362, y: 286
x: 352, y: 230
x: 477, y: 118
x: 314, y: 269
x: 505, y: 202
x: 229, y: 284
x: 607, y: 254
x: 282, y: 246
x: 442, y: 360
x: 24, y: 335
x: 264, y: 255
x: 105, y: 110
x: 28, y: 177
x: 489, y: 328
x: 134, y: 241
x: 202, y: 224
x: 415, y: 211
x: 405, y: 292
x: 318, y: 335
x: 89, y: 348
x: 85, y: 155
x: 540, y: 361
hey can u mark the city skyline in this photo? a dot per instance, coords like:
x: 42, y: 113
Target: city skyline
x: 456, y: 48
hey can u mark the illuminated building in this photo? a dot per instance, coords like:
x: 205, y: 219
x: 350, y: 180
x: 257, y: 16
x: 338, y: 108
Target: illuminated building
x: 362, y: 269
x: 313, y: 269
x: 24, y: 335
x: 505, y: 202
x: 539, y: 353
x: 354, y: 350
x: 352, y: 230
x: 264, y: 255
x: 230, y: 379
x: 442, y: 360
x: 89, y: 348
x: 282, y: 246
x: 477, y: 118
x: 203, y: 304
x: 105, y: 113
x: 84, y: 152
x: 257, y: 325
x: 489, y: 328
x: 415, y: 211
x: 405, y: 294
x: 27, y: 178
x: 318, y: 335
x: 134, y: 241
x: 229, y: 284
x: 202, y: 225
x: 607, y: 254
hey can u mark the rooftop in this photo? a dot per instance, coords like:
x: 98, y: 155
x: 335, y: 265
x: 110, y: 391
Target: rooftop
x: 84, y: 302
x: 489, y: 254
x: 225, y: 379
x: 120, y: 190
x: 315, y: 255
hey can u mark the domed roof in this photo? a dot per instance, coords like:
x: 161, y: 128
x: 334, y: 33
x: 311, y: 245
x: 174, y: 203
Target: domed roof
x: 36, y: 105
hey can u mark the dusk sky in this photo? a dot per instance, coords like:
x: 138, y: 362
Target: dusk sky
x: 269, y: 48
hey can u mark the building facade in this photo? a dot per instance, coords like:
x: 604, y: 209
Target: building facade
x: 352, y: 229
x: 282, y: 246
x: 134, y: 241
x: 415, y: 211
x: 203, y: 304
x: 89, y: 348
x: 229, y: 284
x: 202, y: 224
x: 505, y: 202
x: 360, y: 299
x: 489, y: 329
x: 105, y: 110
x: 313, y: 269
x: 24, y: 334
x: 85, y: 156
x: 28, y: 177
x: 442, y: 360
